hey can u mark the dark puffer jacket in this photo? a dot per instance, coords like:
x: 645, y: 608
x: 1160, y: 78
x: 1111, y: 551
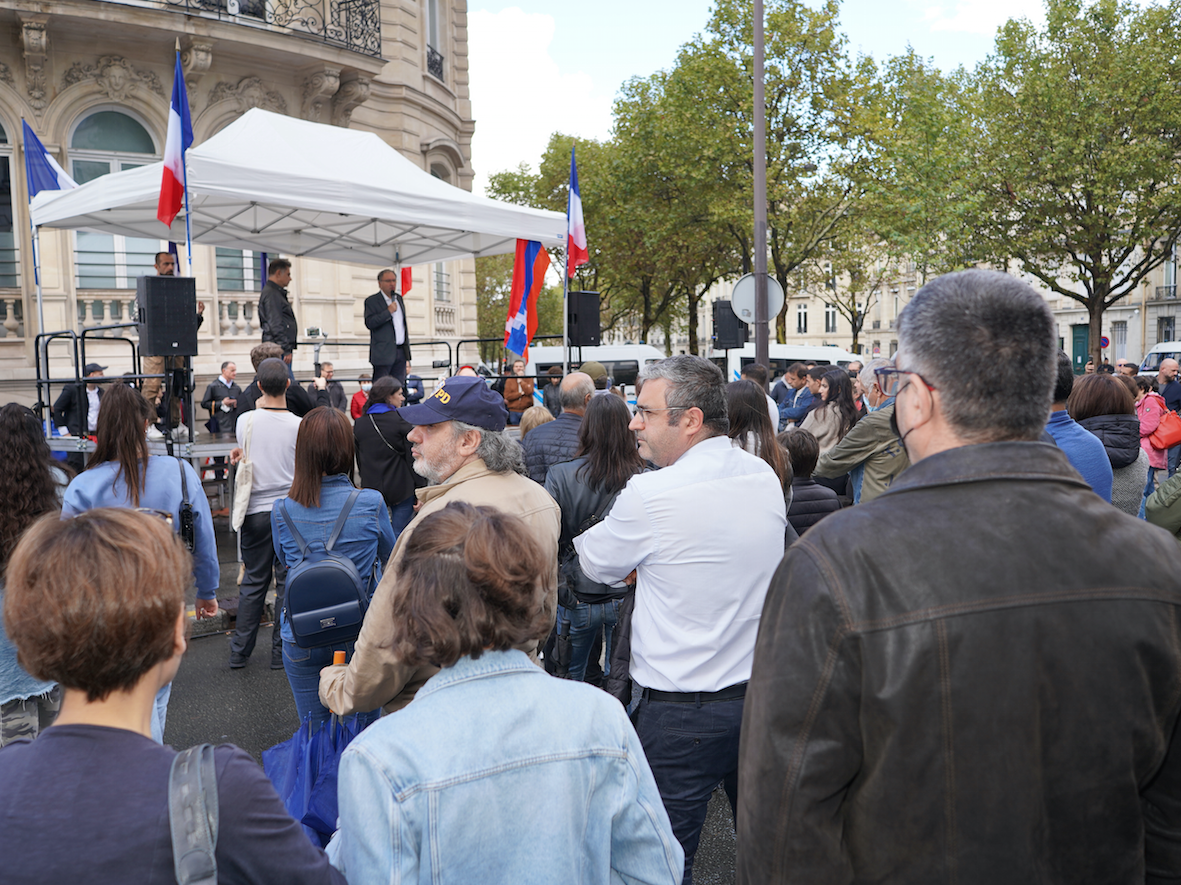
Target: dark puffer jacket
x: 1120, y: 435
x: 556, y: 441
x: 810, y: 503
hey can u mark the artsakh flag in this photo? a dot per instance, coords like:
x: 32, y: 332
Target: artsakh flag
x: 179, y: 140
x: 576, y: 252
x: 528, y: 277
x: 407, y: 279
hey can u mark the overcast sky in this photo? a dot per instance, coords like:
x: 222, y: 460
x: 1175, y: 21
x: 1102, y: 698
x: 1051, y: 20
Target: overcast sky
x: 540, y: 66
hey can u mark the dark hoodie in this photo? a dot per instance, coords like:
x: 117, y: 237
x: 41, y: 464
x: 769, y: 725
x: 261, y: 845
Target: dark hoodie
x: 1120, y: 435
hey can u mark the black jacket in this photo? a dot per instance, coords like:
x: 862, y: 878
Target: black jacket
x: 219, y: 421
x: 336, y: 397
x: 71, y: 408
x: 277, y: 317
x: 383, y: 456
x: 549, y: 443
x: 975, y: 677
x: 1120, y: 435
x: 810, y: 503
x: 383, y: 348
x: 299, y: 402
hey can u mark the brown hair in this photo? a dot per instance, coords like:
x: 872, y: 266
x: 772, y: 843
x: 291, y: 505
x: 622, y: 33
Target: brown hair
x: 92, y: 602
x: 471, y: 578
x: 28, y: 487
x: 121, y: 437
x: 265, y: 351
x: 803, y: 451
x: 1129, y: 382
x: 323, y: 447
x: 1094, y: 395
x: 534, y: 416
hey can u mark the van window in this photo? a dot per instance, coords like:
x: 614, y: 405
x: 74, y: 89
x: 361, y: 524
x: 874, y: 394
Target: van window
x: 623, y: 371
x: 1153, y: 360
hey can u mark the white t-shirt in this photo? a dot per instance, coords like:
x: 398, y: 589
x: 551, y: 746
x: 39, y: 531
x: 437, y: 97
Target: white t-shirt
x: 272, y: 455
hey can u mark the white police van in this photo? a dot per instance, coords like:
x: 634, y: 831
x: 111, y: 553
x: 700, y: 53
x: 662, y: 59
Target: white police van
x: 1166, y: 350
x: 622, y: 362
x: 781, y: 356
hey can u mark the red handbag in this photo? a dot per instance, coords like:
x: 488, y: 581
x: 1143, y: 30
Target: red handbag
x: 1168, y: 432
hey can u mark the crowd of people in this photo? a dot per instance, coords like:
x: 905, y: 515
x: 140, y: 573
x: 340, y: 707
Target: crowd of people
x: 902, y: 615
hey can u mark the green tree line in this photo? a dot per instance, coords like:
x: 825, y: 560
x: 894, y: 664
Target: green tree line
x: 1058, y: 157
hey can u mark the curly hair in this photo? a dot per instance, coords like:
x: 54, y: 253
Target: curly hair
x: 28, y: 488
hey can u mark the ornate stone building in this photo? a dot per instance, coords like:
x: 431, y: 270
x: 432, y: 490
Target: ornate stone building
x: 93, y: 78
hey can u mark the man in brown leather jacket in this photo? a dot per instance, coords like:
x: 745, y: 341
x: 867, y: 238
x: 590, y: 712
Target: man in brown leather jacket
x: 975, y: 678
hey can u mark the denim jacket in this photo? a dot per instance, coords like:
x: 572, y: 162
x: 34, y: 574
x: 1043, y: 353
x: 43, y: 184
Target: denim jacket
x: 367, y: 537
x: 497, y: 772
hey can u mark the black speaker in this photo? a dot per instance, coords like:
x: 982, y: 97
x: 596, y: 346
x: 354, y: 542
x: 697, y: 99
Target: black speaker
x: 167, y: 315
x: 584, y: 319
x: 729, y: 331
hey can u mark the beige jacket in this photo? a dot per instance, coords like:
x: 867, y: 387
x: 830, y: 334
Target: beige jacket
x: 825, y: 423
x: 376, y: 677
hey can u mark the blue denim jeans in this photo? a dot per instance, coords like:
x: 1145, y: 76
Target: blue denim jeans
x: 691, y: 749
x: 303, y: 666
x: 401, y: 514
x: 514, y: 418
x: 586, y: 619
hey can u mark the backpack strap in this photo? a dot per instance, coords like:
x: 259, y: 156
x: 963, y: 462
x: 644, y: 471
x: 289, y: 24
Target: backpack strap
x: 340, y: 520
x: 295, y: 535
x: 188, y: 532
x: 193, y: 815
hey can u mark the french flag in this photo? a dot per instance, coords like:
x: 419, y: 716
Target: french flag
x: 179, y: 140
x: 528, y: 277
x: 576, y: 252
x: 41, y: 170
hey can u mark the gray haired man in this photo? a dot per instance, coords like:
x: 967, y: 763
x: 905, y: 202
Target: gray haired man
x: 460, y: 446
x: 973, y: 678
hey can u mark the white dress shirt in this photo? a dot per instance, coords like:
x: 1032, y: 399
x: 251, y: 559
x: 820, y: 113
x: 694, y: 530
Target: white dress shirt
x: 705, y: 535
x: 92, y: 408
x: 773, y: 411
x: 397, y: 319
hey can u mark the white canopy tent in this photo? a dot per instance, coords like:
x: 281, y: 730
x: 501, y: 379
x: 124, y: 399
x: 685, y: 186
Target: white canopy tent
x: 273, y: 183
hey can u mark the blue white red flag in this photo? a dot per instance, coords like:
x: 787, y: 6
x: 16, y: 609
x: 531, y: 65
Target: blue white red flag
x: 179, y: 140
x: 576, y: 251
x: 528, y: 277
x: 41, y: 170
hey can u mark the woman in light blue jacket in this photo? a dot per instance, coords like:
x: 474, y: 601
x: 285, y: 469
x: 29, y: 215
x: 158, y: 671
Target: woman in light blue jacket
x: 496, y: 772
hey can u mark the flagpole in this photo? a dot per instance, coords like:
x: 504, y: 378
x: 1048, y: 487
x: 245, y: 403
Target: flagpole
x: 566, y: 280
x: 184, y: 165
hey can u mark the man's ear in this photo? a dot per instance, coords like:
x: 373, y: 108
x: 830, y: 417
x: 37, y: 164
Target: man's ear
x: 288, y: 383
x: 694, y: 420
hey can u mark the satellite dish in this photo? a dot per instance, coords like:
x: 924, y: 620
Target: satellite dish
x: 742, y: 300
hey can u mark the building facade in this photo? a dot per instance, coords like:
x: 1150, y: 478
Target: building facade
x: 93, y: 80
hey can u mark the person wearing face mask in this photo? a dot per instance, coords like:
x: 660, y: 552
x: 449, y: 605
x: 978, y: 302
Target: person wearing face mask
x: 357, y: 406
x: 870, y: 453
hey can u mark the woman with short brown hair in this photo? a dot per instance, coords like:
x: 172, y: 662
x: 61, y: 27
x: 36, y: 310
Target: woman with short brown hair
x: 96, y: 603
x: 1103, y: 405
x: 553, y: 768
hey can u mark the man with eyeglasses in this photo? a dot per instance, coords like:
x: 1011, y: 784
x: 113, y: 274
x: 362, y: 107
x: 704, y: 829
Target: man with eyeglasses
x: 704, y: 535
x: 974, y: 677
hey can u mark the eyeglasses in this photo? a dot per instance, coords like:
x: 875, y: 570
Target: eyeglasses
x: 643, y: 413
x: 891, y: 380
x: 159, y: 514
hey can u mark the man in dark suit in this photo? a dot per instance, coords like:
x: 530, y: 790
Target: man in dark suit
x: 221, y: 400
x: 389, y: 334
x: 76, y: 409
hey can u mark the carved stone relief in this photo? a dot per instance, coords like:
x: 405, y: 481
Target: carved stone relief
x: 195, y: 57
x: 352, y: 92
x: 5, y: 74
x: 318, y: 89
x: 115, y: 76
x: 247, y: 93
x: 35, y: 42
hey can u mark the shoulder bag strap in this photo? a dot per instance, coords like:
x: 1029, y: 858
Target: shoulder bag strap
x: 379, y: 433
x: 281, y: 506
x: 249, y: 434
x: 193, y: 815
x: 340, y: 520
x: 187, y: 528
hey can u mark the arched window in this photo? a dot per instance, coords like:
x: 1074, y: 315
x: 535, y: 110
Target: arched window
x: 9, y: 259
x: 104, y: 142
x: 441, y: 172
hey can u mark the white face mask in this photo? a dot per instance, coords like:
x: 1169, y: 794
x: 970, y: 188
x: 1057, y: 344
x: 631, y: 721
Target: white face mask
x: 366, y: 387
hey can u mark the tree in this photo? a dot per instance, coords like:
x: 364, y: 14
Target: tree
x: 1080, y: 126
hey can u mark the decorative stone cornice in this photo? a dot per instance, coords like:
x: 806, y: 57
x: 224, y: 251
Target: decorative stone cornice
x: 353, y: 91
x: 35, y: 42
x: 247, y: 93
x: 115, y: 76
x: 195, y: 58
x: 318, y: 89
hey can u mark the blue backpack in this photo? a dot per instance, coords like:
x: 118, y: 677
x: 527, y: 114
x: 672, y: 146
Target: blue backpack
x: 325, y: 598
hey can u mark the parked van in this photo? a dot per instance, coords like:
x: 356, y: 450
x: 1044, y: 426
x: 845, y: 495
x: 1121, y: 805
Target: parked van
x: 781, y: 356
x: 1150, y: 365
x: 622, y: 361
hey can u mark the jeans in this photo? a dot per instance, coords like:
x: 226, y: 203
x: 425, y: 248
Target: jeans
x: 160, y: 712
x: 1174, y: 454
x: 401, y: 514
x: 303, y: 666
x: 258, y: 555
x: 514, y: 418
x: 691, y: 748
x: 586, y: 619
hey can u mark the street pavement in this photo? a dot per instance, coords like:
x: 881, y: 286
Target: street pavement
x: 252, y: 708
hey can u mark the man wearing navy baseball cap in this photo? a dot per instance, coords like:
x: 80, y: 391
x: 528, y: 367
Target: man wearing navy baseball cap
x: 460, y: 446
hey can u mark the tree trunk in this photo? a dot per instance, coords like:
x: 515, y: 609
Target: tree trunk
x: 694, y: 300
x: 1095, y: 309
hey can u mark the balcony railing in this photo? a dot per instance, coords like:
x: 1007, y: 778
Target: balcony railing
x: 1166, y: 292
x: 434, y: 63
x: 353, y: 24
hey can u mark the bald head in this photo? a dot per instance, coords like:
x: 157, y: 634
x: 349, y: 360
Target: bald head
x: 1167, y: 371
x: 576, y: 389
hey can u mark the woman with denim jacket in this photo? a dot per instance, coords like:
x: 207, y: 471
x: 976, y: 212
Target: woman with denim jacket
x: 496, y: 772
x: 319, y: 491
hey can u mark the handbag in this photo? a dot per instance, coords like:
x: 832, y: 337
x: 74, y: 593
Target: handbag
x: 569, y: 569
x: 1168, y: 432
x: 243, y: 479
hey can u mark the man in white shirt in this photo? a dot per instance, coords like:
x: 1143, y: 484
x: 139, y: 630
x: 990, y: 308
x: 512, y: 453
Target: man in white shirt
x: 389, y: 336
x: 268, y: 432
x: 704, y: 536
